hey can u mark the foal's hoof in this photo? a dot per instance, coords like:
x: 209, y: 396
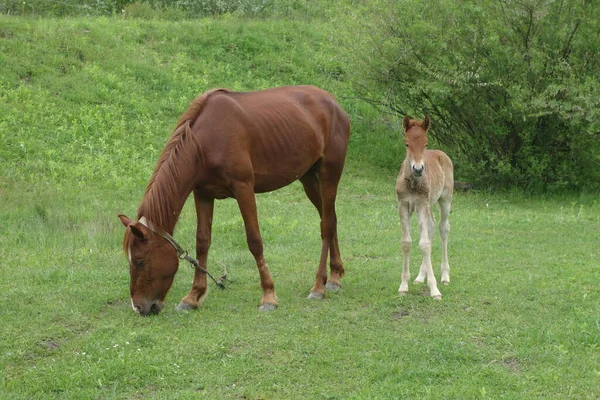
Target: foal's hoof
x: 437, y: 297
x: 185, y: 307
x: 333, y: 286
x: 446, y: 282
x: 316, y: 296
x: 267, y: 307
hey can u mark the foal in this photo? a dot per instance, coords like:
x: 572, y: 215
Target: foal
x: 426, y: 177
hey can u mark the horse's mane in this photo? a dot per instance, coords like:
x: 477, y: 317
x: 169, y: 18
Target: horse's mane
x: 158, y: 203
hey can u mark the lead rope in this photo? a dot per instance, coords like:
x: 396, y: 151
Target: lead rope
x: 195, y: 264
x: 183, y: 254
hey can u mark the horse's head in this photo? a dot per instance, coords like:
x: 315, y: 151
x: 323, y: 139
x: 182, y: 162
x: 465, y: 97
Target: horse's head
x: 415, y: 138
x: 153, y: 263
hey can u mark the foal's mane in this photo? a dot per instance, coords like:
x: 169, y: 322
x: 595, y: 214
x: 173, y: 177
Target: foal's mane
x: 159, y: 201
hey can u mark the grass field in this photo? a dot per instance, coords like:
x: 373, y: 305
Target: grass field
x: 85, y: 107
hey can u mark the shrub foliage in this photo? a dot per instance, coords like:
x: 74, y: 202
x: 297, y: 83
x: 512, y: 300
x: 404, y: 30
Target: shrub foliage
x: 149, y: 9
x: 512, y: 85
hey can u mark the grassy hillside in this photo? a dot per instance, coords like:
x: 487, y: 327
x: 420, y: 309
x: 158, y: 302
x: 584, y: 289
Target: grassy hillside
x: 86, y: 106
x: 79, y: 96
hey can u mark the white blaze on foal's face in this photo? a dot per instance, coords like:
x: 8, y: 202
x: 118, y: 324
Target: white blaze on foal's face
x: 415, y: 139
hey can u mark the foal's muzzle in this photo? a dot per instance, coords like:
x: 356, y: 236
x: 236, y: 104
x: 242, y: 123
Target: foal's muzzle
x: 418, y: 171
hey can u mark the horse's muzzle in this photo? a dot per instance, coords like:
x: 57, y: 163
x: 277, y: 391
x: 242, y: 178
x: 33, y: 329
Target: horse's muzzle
x: 145, y: 308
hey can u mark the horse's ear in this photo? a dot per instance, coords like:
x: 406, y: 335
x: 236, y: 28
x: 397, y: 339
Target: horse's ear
x: 126, y: 221
x: 139, y: 230
x: 425, y: 123
x: 406, y: 122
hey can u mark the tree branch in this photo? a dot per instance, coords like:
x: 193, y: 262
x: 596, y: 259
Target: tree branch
x: 567, y: 47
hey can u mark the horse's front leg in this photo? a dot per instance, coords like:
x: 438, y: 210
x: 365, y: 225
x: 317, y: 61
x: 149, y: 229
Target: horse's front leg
x: 404, y: 211
x: 425, y: 223
x: 244, y: 194
x: 204, y: 214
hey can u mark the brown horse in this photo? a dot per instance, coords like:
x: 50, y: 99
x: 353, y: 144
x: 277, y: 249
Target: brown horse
x: 426, y: 177
x: 234, y: 144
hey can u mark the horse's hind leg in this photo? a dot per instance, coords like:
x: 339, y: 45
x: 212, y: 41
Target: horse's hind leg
x: 335, y: 261
x: 244, y: 194
x: 444, y: 231
x: 310, y: 182
x: 329, y: 174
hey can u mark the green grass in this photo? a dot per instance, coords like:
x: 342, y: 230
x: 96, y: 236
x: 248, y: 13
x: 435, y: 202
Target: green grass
x: 519, y: 320
x: 85, y: 108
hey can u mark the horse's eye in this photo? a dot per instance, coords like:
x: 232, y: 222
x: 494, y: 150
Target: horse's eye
x: 406, y: 144
x: 138, y: 263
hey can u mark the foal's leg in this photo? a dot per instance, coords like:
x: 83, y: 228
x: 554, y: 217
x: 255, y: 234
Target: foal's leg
x: 425, y: 220
x: 404, y: 211
x: 310, y: 183
x: 244, y: 194
x: 444, y: 231
x: 204, y: 214
x: 423, y: 269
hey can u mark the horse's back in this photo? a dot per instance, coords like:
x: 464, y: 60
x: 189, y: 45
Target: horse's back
x: 292, y: 111
x: 276, y: 134
x: 309, y: 106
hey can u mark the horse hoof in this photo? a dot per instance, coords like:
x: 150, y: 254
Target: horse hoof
x: 437, y: 297
x: 185, y: 307
x: 418, y: 281
x: 402, y: 292
x: 316, y: 296
x: 333, y: 286
x: 267, y: 307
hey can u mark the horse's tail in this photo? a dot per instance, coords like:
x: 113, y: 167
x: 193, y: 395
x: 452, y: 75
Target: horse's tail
x: 196, y: 107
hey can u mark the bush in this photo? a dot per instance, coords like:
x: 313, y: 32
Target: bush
x: 512, y: 86
x: 63, y: 7
x: 158, y: 9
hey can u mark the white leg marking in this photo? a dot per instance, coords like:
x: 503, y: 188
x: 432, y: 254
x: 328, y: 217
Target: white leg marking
x: 404, y: 211
x: 425, y: 220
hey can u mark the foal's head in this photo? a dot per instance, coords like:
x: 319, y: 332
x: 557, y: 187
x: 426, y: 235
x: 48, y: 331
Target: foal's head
x: 153, y: 263
x: 415, y: 138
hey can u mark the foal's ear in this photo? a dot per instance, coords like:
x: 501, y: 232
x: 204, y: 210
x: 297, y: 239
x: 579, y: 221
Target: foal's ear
x: 425, y: 123
x: 126, y: 221
x: 406, y: 122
